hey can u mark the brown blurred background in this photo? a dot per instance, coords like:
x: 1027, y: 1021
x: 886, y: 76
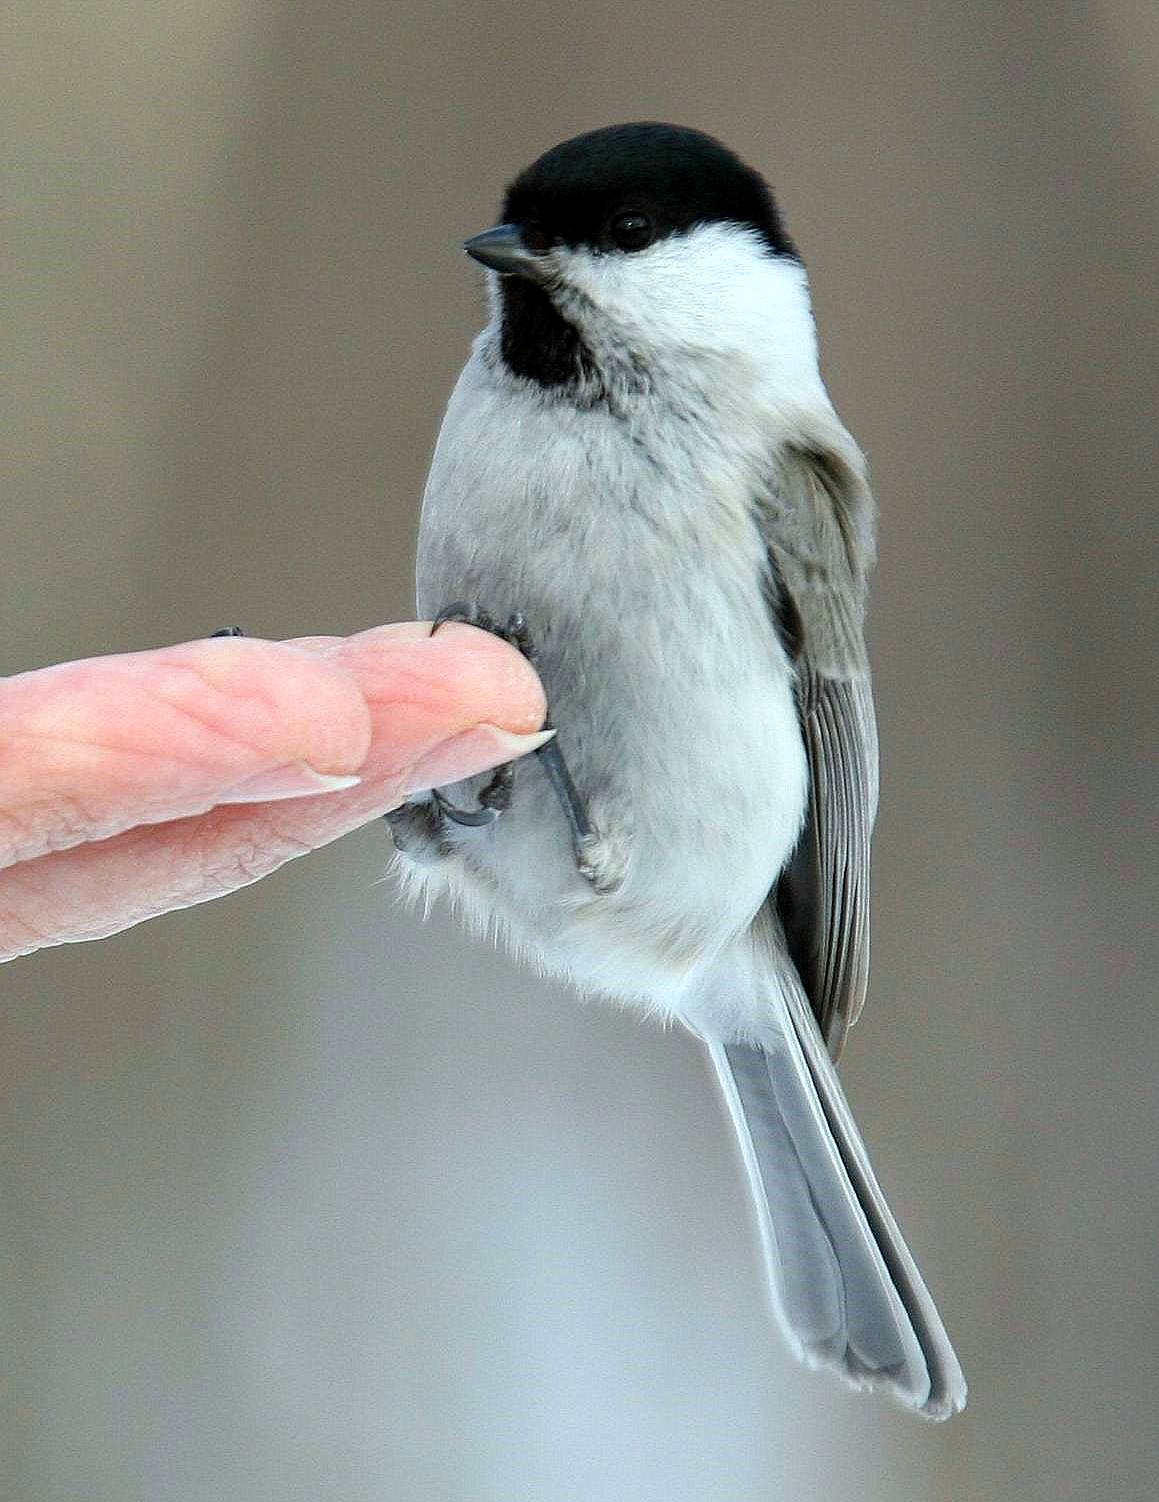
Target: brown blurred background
x: 302, y: 1199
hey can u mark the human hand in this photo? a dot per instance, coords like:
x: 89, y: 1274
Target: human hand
x: 136, y: 784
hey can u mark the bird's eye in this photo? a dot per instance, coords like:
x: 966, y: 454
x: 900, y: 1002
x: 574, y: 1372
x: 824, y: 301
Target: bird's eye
x: 632, y: 231
x: 537, y: 239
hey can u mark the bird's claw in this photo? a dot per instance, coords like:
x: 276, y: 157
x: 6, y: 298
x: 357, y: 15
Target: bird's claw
x: 495, y: 797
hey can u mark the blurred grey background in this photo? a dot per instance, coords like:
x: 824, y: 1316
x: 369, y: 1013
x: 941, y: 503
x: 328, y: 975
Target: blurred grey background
x: 304, y: 1199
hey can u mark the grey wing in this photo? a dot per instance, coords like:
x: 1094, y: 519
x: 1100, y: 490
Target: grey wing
x: 823, y: 895
x: 818, y: 529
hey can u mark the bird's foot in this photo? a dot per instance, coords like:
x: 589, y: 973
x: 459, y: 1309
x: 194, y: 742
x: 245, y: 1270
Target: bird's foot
x: 495, y: 798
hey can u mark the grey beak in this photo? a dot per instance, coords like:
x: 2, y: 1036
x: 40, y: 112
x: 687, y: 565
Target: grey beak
x: 503, y: 250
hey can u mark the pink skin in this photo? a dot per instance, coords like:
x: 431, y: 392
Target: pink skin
x: 133, y: 785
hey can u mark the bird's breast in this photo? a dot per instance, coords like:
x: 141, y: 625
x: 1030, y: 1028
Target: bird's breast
x: 640, y: 576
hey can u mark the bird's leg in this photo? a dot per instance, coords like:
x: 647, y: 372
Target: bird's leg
x: 495, y: 798
x: 551, y: 759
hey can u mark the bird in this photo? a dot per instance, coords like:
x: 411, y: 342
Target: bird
x: 640, y: 481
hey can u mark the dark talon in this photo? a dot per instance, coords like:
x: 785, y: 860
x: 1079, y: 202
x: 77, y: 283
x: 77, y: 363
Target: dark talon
x: 469, y: 615
x: 473, y: 817
x: 494, y: 800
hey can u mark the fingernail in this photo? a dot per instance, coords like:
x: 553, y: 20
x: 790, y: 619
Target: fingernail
x: 475, y: 750
x: 295, y: 780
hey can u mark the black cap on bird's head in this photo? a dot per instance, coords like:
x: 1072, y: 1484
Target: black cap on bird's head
x: 621, y: 189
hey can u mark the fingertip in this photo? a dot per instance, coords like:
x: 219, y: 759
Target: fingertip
x: 462, y: 674
x: 500, y: 671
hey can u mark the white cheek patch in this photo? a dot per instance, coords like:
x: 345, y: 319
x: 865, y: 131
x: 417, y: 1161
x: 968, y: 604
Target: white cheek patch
x: 716, y: 289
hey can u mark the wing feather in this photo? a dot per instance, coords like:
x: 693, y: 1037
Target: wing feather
x: 818, y: 527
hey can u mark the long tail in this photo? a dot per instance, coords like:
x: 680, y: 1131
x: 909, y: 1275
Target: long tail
x: 844, y: 1286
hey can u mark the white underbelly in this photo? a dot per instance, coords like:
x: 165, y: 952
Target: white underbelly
x: 693, y: 771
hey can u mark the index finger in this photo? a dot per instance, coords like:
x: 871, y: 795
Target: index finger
x: 90, y: 749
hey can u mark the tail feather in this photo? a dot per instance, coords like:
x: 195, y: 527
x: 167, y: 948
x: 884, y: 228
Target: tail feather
x: 843, y: 1282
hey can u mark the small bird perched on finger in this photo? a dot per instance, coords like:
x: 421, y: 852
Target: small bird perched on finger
x: 641, y: 480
